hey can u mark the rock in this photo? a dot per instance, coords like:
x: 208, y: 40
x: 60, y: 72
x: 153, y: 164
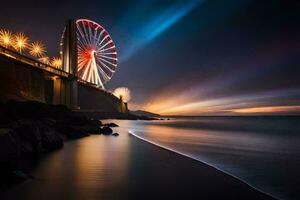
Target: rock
x: 29, y: 129
x: 92, y: 129
x: 106, y: 130
x: 50, y: 138
x: 95, y: 122
x: 29, y: 133
x: 35, y: 110
x: 111, y: 125
x: 49, y: 122
x: 115, y: 134
x: 71, y: 130
x: 10, y: 147
x: 36, y: 137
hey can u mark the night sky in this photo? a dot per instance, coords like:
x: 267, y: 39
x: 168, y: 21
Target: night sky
x: 187, y: 57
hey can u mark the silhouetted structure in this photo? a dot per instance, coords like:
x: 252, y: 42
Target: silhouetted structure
x: 23, y: 78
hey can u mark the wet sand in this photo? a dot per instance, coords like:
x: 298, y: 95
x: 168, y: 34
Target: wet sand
x: 125, y: 167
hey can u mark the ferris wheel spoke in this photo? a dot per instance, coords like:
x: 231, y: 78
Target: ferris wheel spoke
x: 82, y: 36
x: 80, y: 67
x: 107, y: 62
x: 107, y: 43
x: 104, y: 38
x: 94, y: 70
x: 111, y: 58
x: 81, y: 63
x: 111, y: 69
x: 90, y: 34
x: 91, y: 73
x: 98, y: 33
x: 99, y: 66
x: 81, y: 46
x: 109, y: 48
x: 95, y: 35
x: 100, y: 36
x: 103, y: 73
x: 109, y: 53
x: 105, y: 76
x: 85, y: 71
x: 86, y: 34
x: 107, y: 67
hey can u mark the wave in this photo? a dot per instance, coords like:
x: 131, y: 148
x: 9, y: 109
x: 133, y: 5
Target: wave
x: 131, y: 132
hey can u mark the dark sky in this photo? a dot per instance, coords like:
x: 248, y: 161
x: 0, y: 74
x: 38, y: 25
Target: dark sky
x: 186, y: 57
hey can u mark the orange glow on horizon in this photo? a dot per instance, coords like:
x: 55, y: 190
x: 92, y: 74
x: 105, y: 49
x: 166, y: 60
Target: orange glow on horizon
x: 181, y: 105
x: 268, y: 109
x: 208, y: 108
x: 177, y: 105
x: 167, y: 103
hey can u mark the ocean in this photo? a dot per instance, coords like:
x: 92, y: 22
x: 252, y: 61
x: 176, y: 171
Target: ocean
x: 261, y: 151
x: 264, y: 152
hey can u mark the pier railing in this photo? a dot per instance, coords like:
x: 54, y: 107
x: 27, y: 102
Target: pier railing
x: 30, y: 61
x: 35, y: 63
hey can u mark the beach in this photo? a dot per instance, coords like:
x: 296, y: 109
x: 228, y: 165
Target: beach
x: 126, y: 167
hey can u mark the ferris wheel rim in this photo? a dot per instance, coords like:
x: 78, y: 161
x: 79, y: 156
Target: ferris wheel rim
x: 106, y: 54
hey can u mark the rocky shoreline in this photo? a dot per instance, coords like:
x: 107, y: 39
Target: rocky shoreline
x: 28, y: 130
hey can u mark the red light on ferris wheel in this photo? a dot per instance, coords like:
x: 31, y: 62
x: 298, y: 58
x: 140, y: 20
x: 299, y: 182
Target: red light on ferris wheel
x: 97, y: 55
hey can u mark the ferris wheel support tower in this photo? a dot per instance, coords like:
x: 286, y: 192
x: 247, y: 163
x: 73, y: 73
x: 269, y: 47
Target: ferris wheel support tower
x: 69, y: 62
x: 88, y: 54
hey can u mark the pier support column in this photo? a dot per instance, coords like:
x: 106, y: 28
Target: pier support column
x: 57, y: 90
x: 69, y: 58
x: 74, y: 94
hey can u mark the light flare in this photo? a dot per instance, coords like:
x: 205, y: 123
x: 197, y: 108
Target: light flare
x: 45, y: 60
x: 20, y: 42
x: 37, y: 49
x: 123, y: 93
x: 56, y: 62
x: 6, y: 38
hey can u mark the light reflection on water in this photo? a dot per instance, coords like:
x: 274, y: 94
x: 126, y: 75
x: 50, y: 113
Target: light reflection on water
x: 89, y: 156
x: 98, y: 167
x: 94, y: 167
x: 266, y: 157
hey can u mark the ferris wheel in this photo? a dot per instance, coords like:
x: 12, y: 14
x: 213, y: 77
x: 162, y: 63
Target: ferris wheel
x: 97, y: 55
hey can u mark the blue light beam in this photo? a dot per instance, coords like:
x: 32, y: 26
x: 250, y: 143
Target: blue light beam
x: 158, y: 25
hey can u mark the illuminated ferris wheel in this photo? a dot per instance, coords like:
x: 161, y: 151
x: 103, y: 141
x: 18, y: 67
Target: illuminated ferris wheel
x: 97, y: 55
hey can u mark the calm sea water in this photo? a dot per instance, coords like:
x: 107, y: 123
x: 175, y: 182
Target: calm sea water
x: 262, y: 151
